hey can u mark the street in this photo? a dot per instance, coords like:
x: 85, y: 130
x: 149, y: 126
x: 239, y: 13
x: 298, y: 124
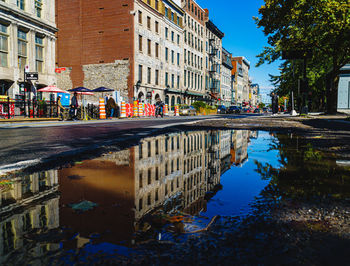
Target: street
x: 27, y: 143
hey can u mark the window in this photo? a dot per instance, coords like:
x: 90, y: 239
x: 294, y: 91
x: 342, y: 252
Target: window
x: 140, y: 17
x: 149, y: 2
x: 39, y: 54
x: 178, y: 21
x: 149, y: 179
x: 178, y: 39
x: 38, y: 7
x: 166, y: 33
x: 3, y: 46
x: 149, y: 76
x: 172, y: 36
x: 157, y: 4
x: 140, y: 79
x: 22, y: 49
x: 172, y: 16
x: 140, y: 180
x: 166, y: 79
x: 172, y: 57
x: 166, y: 12
x: 21, y: 4
x: 149, y: 23
x: 157, y: 50
x: 185, y: 78
x: 166, y: 54
x: 157, y: 27
x: 157, y: 77
x: 140, y: 43
x: 149, y: 47
x: 178, y: 82
x: 172, y: 80
x: 178, y: 59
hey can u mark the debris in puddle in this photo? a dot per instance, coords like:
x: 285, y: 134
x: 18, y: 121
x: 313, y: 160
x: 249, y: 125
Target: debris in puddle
x: 83, y: 206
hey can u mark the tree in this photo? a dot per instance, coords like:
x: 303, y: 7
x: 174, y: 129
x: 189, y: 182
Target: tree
x: 319, y: 26
x: 261, y: 105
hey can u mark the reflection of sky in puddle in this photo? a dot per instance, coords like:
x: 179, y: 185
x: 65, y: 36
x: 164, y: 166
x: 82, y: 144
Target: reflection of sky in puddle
x: 241, y: 184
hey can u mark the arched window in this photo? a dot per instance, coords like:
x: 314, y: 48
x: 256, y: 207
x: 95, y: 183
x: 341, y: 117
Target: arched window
x: 178, y: 100
x: 173, y: 103
x: 167, y: 100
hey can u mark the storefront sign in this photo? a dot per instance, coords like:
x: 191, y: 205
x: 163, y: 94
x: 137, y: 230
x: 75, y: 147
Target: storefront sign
x: 31, y: 76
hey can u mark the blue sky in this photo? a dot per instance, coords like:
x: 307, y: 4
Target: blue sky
x: 242, y: 37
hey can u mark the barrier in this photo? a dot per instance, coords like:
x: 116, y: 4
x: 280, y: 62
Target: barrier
x: 166, y: 110
x: 153, y: 110
x: 136, y: 109
x: 128, y: 109
x: 123, y: 110
x: 177, y: 110
x: 140, y: 109
x: 102, y: 108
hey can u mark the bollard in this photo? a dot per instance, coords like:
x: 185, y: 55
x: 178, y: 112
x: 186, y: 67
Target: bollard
x: 177, y: 110
x: 102, y: 109
x: 140, y: 109
x: 8, y: 106
x: 136, y: 109
x: 166, y: 110
x: 123, y: 110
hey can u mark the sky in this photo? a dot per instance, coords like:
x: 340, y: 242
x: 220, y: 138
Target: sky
x: 242, y: 37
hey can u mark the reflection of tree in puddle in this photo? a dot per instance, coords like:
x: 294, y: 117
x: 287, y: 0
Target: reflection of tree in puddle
x: 304, y: 172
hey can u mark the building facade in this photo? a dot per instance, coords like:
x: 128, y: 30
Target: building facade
x: 213, y: 60
x: 237, y: 76
x: 194, y: 53
x: 137, y: 50
x: 226, y: 92
x: 27, y: 43
x: 241, y: 73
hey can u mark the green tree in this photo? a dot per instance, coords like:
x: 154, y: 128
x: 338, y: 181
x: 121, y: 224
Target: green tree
x: 319, y: 26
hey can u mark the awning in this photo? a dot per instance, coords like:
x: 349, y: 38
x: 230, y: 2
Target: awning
x: 195, y: 94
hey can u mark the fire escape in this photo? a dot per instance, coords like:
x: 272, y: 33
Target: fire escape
x: 214, y: 70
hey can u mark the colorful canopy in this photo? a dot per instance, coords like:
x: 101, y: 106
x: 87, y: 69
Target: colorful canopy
x: 52, y: 89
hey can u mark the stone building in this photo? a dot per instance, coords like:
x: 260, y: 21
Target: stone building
x: 237, y: 83
x: 226, y: 92
x: 194, y: 52
x: 27, y: 43
x: 213, y: 48
x: 255, y: 92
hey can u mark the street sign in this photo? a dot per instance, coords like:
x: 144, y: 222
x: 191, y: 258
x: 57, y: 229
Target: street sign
x: 31, y: 76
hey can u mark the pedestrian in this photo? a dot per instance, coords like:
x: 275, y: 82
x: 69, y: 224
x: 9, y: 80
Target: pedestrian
x: 274, y: 99
x: 111, y: 106
x: 60, y: 108
x: 74, y: 106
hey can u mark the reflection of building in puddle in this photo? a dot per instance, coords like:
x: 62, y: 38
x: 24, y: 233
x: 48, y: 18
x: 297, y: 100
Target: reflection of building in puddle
x: 34, y: 201
x: 239, y: 146
x: 175, y: 168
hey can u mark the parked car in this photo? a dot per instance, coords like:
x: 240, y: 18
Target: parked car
x: 222, y: 109
x: 233, y: 109
x: 187, y: 110
x: 265, y: 109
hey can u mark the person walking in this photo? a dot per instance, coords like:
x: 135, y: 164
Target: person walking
x: 60, y: 108
x: 274, y: 99
x: 111, y: 107
x: 74, y: 106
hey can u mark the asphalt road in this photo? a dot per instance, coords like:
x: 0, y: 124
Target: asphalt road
x: 25, y: 144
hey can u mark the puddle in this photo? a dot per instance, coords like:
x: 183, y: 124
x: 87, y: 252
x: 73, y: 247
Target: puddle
x: 165, y: 188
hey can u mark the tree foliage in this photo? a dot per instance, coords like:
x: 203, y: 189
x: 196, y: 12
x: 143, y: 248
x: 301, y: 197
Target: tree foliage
x: 319, y: 28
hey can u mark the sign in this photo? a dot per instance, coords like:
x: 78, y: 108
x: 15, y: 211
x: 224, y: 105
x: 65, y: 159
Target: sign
x: 31, y: 76
x: 60, y: 69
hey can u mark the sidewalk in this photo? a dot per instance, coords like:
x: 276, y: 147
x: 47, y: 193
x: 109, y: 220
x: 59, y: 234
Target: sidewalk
x: 24, y: 119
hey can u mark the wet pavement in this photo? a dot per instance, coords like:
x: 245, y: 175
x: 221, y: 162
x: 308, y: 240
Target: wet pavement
x: 192, y: 197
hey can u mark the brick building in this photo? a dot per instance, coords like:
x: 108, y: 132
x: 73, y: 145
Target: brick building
x: 133, y: 46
